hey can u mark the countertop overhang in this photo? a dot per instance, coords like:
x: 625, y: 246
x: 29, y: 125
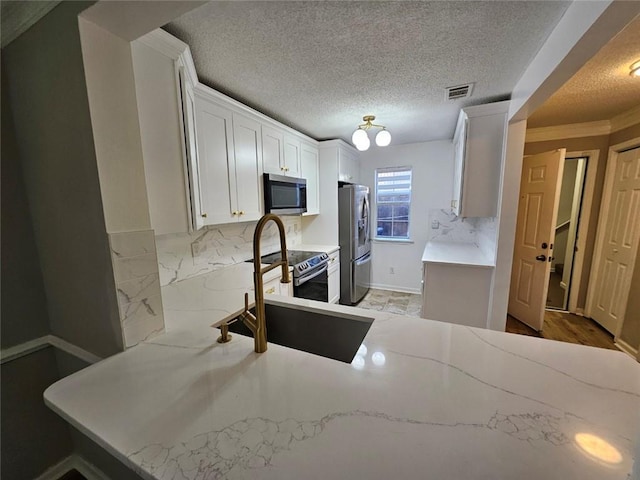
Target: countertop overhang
x: 421, y: 399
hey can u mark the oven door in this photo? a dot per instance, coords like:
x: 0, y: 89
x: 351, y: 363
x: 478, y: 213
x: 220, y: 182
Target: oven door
x: 314, y: 285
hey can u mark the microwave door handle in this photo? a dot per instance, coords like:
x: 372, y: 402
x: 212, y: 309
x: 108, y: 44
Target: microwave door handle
x: 302, y: 280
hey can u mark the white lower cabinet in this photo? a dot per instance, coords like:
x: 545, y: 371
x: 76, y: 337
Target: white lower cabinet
x: 456, y: 293
x: 333, y: 277
x: 276, y: 287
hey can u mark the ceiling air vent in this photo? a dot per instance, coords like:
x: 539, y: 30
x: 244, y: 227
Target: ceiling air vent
x: 459, y: 91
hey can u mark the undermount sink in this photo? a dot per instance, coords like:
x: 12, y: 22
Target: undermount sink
x: 328, y: 334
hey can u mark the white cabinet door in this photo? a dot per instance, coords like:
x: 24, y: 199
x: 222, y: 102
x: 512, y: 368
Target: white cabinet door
x: 213, y: 195
x: 458, y: 165
x: 291, y: 156
x: 272, y: 150
x: 248, y: 168
x: 479, y: 149
x: 333, y: 277
x: 189, y: 127
x: 456, y: 294
x: 310, y: 171
x: 348, y: 167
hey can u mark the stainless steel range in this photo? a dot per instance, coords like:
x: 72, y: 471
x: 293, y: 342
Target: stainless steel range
x: 309, y: 273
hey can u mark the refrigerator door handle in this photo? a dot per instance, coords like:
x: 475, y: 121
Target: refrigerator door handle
x: 364, y: 259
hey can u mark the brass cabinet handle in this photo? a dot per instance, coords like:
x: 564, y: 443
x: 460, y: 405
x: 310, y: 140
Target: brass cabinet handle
x: 204, y: 215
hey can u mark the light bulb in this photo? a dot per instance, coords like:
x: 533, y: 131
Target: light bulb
x: 363, y: 145
x: 383, y: 138
x: 359, y: 137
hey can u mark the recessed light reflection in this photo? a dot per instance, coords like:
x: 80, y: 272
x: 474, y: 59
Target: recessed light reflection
x: 358, y: 362
x: 378, y: 359
x: 362, y: 350
x: 598, y: 448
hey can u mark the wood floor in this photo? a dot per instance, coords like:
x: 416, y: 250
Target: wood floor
x: 566, y: 327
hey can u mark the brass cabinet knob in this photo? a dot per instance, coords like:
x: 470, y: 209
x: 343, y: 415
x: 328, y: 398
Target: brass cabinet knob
x: 234, y: 213
x: 241, y: 212
x: 204, y: 215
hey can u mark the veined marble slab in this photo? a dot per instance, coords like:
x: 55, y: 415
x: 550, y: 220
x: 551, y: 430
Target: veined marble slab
x: 421, y: 399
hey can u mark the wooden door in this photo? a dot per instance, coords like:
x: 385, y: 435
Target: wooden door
x: 619, y: 233
x: 247, y: 181
x: 537, y: 213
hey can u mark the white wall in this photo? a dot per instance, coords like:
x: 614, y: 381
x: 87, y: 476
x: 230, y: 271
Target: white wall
x: 432, y: 186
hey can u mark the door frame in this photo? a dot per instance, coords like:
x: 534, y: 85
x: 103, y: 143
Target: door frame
x: 612, y: 162
x: 583, y: 224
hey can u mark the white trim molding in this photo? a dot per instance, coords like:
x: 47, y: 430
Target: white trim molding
x: 625, y: 119
x: 26, y: 348
x: 74, y: 461
x: 586, y: 129
x: 572, y: 130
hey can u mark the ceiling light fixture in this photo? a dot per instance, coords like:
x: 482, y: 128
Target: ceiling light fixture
x: 635, y: 69
x: 360, y: 138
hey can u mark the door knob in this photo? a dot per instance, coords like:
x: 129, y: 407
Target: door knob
x: 544, y: 245
x: 541, y: 258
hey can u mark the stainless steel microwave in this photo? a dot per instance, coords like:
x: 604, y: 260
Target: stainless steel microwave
x: 284, y: 195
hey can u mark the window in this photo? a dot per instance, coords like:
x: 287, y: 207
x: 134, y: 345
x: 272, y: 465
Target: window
x: 393, y: 200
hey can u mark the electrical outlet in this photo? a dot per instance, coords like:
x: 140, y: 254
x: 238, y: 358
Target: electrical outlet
x: 391, y: 270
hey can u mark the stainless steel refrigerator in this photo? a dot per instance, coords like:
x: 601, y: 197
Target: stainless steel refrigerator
x: 355, y: 243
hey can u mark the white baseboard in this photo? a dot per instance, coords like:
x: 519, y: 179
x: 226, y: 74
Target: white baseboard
x: 26, y: 348
x: 626, y: 348
x: 395, y: 288
x: 74, y: 461
x: 59, y: 469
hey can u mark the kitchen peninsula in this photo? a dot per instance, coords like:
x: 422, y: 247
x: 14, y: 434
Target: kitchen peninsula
x: 421, y: 399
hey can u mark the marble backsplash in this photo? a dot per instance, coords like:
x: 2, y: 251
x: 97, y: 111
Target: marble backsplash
x: 444, y: 226
x: 135, y: 267
x: 447, y: 227
x: 186, y: 255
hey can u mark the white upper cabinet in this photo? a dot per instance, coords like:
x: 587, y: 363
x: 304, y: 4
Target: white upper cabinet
x: 310, y: 170
x: 248, y: 168
x: 272, y: 150
x: 213, y: 180
x: 226, y: 186
x: 478, y: 152
x: 291, y: 156
x: 348, y: 167
x: 281, y: 152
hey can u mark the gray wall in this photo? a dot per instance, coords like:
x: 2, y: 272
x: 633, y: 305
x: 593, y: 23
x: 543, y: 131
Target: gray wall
x: 23, y: 303
x: 54, y: 137
x: 33, y: 437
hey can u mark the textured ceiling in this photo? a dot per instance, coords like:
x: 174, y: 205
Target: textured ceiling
x: 320, y: 66
x: 601, y: 89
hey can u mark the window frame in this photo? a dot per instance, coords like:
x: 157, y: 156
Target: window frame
x: 390, y: 238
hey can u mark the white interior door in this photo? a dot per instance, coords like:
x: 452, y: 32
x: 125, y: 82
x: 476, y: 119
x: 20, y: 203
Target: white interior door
x: 619, y: 232
x: 537, y: 213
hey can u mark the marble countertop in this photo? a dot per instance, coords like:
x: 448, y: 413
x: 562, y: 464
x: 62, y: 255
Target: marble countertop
x: 457, y: 254
x: 421, y: 399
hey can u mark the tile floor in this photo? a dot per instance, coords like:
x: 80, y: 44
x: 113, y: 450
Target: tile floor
x: 393, y: 302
